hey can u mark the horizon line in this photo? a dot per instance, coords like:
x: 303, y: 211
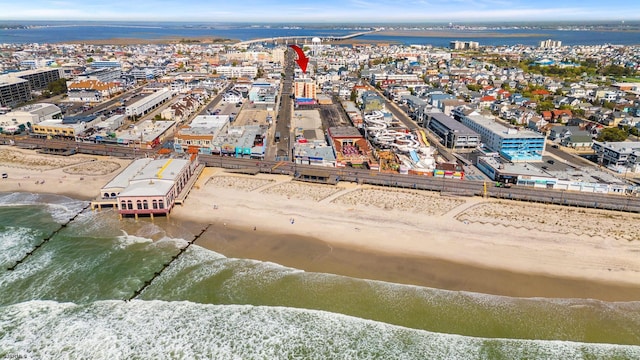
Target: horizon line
x: 353, y: 22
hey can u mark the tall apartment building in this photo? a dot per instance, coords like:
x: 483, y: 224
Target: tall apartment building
x: 39, y: 79
x: 550, y: 44
x: 464, y: 45
x: 304, y: 88
x: 277, y: 56
x: 14, y: 91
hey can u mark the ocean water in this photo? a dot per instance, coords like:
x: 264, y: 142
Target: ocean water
x: 74, y: 31
x: 69, y: 300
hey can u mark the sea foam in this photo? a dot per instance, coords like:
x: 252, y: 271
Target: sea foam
x: 185, y: 330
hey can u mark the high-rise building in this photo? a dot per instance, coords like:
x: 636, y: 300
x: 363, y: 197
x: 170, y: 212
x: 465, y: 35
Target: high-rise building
x: 550, y: 44
x: 14, y: 91
x: 38, y: 79
x: 304, y: 88
x: 464, y: 45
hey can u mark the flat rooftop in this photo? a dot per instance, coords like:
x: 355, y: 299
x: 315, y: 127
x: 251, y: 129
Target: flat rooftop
x: 503, y: 131
x: 452, y: 124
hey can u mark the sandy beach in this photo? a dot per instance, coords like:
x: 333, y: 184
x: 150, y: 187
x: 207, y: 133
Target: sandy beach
x: 498, y: 247
x: 78, y: 176
x: 405, y: 236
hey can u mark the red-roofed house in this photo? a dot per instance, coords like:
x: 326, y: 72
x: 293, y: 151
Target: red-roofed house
x: 486, y: 101
x: 92, y: 90
x: 559, y: 115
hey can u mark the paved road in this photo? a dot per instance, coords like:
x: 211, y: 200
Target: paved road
x: 282, y: 150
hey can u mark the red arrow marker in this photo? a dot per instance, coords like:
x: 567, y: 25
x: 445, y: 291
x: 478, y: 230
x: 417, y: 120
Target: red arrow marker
x: 302, y: 60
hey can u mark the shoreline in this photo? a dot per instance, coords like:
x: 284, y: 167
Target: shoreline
x: 402, y: 236
x: 449, y: 33
x: 315, y: 255
x: 435, y: 250
x: 196, y: 40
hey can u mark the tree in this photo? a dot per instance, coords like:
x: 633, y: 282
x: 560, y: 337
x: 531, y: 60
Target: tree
x: 354, y: 95
x: 57, y: 87
x: 613, y: 135
x: 545, y: 106
x: 89, y: 60
x: 474, y: 87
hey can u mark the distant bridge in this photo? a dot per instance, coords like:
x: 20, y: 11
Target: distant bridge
x: 302, y: 38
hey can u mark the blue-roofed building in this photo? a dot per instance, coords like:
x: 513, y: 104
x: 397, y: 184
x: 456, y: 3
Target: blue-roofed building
x: 105, y: 64
x: 512, y: 144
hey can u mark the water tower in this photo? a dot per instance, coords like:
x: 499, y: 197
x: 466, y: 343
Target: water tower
x: 316, y: 42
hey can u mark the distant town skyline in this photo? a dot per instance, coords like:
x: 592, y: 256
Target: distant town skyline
x: 329, y: 11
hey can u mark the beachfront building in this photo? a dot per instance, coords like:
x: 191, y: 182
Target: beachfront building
x: 147, y: 134
x: 241, y: 141
x: 68, y: 127
x: 14, y: 91
x: 148, y: 186
x: 452, y: 133
x: 315, y: 152
x: 351, y: 148
x: 24, y: 117
x: 550, y: 44
x: 620, y: 156
x: 536, y: 176
x: 149, y: 103
x: 512, y: 144
x: 197, y: 137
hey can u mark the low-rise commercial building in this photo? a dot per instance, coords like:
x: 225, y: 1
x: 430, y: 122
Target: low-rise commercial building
x: 454, y: 134
x: 148, y: 103
x: 351, y: 148
x: 197, y: 137
x: 68, y: 127
x: 623, y: 154
x: 24, y: 117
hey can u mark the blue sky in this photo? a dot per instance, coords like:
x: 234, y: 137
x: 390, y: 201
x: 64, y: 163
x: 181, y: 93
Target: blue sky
x: 330, y: 11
